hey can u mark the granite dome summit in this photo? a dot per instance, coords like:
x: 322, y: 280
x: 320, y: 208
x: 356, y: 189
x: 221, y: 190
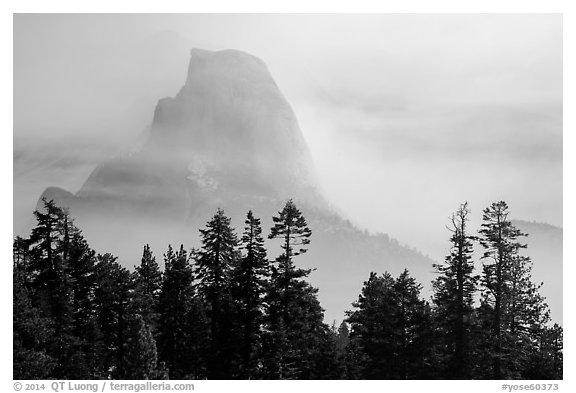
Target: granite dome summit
x: 229, y: 121
x: 231, y: 113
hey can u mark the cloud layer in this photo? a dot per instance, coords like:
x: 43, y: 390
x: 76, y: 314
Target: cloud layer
x: 406, y: 115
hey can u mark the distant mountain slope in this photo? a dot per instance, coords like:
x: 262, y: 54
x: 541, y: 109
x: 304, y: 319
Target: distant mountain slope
x: 545, y: 247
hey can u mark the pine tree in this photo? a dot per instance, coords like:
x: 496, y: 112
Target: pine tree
x: 373, y: 343
x: 308, y: 341
x: 314, y: 342
x: 47, y: 271
x: 413, y: 329
x: 274, y: 340
x: 57, y: 268
x: 354, y: 361
x: 295, y: 330
x: 81, y: 268
x: 343, y: 338
x: 291, y: 228
x: 454, y: 291
x: 546, y: 357
x: 52, y: 287
x: 214, y: 265
x: 113, y: 301
x: 182, y: 329
x: 140, y: 356
x: 32, y: 333
x: 327, y: 360
x: 511, y: 301
x: 21, y: 257
x: 148, y: 281
x: 390, y: 330
x: 250, y: 281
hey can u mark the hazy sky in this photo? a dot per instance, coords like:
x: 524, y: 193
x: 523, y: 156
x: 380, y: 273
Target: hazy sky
x: 406, y: 115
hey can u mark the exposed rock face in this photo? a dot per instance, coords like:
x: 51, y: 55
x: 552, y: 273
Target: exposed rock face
x: 228, y: 139
x: 228, y: 133
x: 231, y: 115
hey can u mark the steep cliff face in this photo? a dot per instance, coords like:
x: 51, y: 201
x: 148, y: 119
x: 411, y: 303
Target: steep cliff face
x: 230, y: 114
x: 228, y: 134
x: 228, y: 139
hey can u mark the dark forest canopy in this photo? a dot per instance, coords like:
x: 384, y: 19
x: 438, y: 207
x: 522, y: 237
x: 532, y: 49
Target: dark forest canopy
x: 233, y: 309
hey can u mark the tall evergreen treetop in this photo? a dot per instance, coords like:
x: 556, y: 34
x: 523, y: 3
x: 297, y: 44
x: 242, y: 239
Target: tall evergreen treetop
x: 250, y: 282
x: 148, y: 275
x: 290, y: 226
x: 295, y: 329
x: 499, y: 236
x: 512, y: 300
x: 342, y: 338
x: 47, y: 239
x: 214, y: 267
x: 113, y: 298
x: 148, y: 282
x: 413, y: 324
x: 214, y: 260
x: 82, y: 271
x: 252, y: 241
x: 455, y: 284
x: 180, y: 331
x: 371, y: 334
x: 252, y: 271
x: 390, y: 330
x: 454, y: 290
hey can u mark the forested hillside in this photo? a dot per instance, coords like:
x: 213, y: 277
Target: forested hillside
x: 234, y: 309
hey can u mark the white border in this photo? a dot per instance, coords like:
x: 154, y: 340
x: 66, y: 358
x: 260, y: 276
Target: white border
x: 257, y: 6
